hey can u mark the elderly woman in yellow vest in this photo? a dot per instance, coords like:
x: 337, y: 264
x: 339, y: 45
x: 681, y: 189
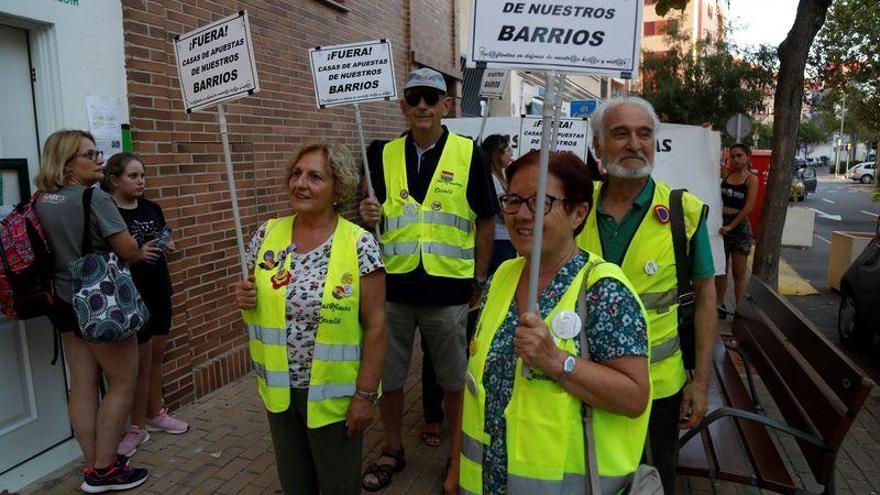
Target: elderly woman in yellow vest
x: 314, y: 308
x: 522, y: 430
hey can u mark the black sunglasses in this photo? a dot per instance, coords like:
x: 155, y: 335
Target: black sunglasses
x: 413, y: 98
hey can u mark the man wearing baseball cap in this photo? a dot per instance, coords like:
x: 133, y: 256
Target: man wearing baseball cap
x: 435, y: 204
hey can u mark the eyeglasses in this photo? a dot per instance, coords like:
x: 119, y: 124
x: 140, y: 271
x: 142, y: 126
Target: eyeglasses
x: 510, y: 203
x: 413, y: 98
x: 93, y: 155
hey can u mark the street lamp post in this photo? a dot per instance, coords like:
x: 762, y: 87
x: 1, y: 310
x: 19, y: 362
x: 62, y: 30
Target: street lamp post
x: 840, y: 138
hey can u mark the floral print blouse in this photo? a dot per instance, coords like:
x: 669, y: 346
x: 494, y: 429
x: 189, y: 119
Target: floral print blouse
x: 304, y: 293
x: 615, y: 328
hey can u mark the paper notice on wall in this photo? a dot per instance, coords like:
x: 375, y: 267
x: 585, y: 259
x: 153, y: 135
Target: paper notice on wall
x: 106, y: 116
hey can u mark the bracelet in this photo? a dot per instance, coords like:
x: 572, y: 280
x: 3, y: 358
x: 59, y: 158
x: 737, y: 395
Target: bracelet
x: 373, y: 397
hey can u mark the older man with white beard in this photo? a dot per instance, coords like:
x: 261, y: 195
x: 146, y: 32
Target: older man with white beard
x: 630, y: 226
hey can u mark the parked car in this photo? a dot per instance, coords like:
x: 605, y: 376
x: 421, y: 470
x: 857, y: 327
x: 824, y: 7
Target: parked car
x: 862, y: 172
x: 860, y: 298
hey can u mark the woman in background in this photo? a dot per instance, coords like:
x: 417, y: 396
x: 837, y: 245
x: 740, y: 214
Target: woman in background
x: 124, y: 179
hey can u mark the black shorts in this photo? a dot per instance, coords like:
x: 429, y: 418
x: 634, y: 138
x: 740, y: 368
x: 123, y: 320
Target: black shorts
x: 63, y: 317
x: 159, y: 322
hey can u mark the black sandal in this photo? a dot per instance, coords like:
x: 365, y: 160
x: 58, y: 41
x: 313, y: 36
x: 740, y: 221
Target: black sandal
x: 383, y: 472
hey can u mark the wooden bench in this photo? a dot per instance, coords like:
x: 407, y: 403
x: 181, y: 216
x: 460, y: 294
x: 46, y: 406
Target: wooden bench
x: 817, y: 390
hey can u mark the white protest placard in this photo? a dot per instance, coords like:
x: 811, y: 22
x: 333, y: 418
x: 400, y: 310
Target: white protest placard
x: 493, y: 84
x: 216, y: 62
x: 688, y: 156
x: 352, y: 73
x: 469, y: 127
x: 572, y: 136
x: 596, y: 37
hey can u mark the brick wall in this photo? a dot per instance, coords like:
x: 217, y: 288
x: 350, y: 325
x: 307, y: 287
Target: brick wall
x: 186, y: 174
x: 433, y: 39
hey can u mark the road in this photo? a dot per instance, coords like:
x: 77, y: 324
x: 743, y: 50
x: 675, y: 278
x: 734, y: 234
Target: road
x: 851, y: 203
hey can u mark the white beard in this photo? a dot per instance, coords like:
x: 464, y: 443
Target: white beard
x: 615, y: 169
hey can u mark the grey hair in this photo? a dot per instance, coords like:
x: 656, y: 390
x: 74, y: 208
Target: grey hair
x: 598, y: 117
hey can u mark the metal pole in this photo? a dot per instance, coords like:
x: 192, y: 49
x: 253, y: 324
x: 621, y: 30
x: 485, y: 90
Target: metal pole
x: 230, y: 177
x: 739, y: 128
x: 484, y: 106
x: 370, y: 191
x: 544, y: 161
x: 840, y: 140
x: 560, y: 92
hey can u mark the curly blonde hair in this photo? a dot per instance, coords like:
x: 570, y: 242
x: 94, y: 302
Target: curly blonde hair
x: 346, y: 174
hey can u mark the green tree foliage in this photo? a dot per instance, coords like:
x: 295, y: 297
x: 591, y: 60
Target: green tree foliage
x: 701, y: 81
x: 809, y: 134
x: 664, y: 6
x: 846, y: 58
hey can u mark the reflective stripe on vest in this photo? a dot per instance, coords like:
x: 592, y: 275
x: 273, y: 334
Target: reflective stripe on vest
x: 657, y: 288
x: 399, y: 248
x: 662, y: 351
x: 338, y: 352
x: 436, y: 217
x: 544, y: 459
x: 338, y: 340
x: 268, y: 336
x: 272, y: 378
x: 439, y: 233
x: 571, y: 483
x: 322, y: 392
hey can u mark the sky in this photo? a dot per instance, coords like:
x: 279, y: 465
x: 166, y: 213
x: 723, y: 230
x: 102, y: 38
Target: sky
x: 761, y: 21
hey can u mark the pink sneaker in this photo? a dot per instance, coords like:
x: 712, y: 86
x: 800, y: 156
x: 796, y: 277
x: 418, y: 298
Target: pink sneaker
x: 166, y: 423
x: 134, y: 437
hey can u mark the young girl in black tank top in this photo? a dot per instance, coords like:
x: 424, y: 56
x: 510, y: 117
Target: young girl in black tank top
x: 124, y: 178
x: 739, y: 188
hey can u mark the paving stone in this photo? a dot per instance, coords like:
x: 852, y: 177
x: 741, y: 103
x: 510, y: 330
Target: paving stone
x: 228, y: 450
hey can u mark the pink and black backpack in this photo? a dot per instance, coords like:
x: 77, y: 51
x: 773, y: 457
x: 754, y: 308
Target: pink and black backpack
x: 26, y: 289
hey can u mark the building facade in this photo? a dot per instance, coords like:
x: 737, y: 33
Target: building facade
x: 57, y: 53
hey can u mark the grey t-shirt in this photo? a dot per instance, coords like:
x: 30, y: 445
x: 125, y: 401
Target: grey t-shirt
x: 61, y: 215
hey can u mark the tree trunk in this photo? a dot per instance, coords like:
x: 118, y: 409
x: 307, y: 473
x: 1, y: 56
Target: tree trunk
x: 789, y: 98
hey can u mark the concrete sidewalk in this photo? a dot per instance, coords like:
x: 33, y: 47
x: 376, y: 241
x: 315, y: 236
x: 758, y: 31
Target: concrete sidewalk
x: 229, y: 451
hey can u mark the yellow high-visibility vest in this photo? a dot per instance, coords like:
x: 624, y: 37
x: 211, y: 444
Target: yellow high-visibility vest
x: 545, y: 433
x: 649, y: 263
x: 339, y: 338
x: 441, y: 231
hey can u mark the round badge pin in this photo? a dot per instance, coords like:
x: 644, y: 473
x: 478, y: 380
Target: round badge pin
x: 471, y: 383
x: 566, y: 324
x: 662, y: 214
x: 651, y: 268
x: 436, y: 205
x: 404, y: 194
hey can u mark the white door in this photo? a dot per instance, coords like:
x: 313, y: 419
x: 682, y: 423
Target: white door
x: 33, y: 393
